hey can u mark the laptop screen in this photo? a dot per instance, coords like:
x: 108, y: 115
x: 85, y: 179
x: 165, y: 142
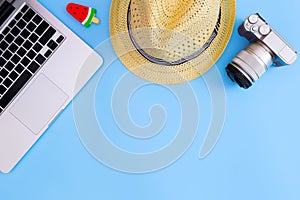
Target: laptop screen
x: 6, y: 8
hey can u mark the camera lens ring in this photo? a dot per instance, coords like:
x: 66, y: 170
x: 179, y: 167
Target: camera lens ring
x: 238, y: 76
x: 250, y: 64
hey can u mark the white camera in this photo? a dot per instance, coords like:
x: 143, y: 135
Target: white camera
x: 267, y: 47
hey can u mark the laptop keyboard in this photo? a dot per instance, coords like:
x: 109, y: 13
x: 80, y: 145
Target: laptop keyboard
x: 25, y: 45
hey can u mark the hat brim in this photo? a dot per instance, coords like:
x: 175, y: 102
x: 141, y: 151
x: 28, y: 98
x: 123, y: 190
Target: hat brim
x: 161, y: 74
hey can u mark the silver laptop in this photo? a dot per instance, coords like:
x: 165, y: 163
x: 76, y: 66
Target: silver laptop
x: 40, y: 59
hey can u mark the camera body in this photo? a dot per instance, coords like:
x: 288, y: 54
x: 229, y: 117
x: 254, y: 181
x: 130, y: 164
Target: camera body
x: 266, y: 48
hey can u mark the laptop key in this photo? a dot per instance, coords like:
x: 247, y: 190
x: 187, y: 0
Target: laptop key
x: 19, y: 68
x: 41, y: 28
x: 3, y: 45
x: 12, y: 23
x: 21, y: 24
x: 60, y: 39
x: 40, y: 59
x: 19, y: 40
x: 27, y: 45
x: 33, y: 67
x: 2, y: 62
x: 13, y: 47
x: 15, y: 31
x: 29, y: 15
x: 52, y: 45
x: 1, y: 36
x: 33, y: 37
x: 13, y: 75
x: 9, y: 38
x: 48, y: 53
x: 7, y: 55
x: 37, y: 19
x: 15, y: 59
x: 31, y: 26
x: 37, y: 47
x: 47, y: 35
x: 25, y: 61
x: 25, y: 33
x: 9, y: 66
x: 15, y: 89
x: 3, y: 73
x: 24, y: 9
x: 31, y: 54
x: 21, y: 52
x: 6, y: 30
x: 18, y: 16
x: 2, y: 89
x: 7, y: 82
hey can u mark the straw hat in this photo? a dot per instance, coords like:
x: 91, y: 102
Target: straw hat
x: 170, y: 41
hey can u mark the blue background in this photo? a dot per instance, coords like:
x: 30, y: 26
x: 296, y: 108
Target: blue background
x: 257, y: 156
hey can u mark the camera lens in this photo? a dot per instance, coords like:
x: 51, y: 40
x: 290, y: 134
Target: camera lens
x: 237, y: 76
x: 250, y: 64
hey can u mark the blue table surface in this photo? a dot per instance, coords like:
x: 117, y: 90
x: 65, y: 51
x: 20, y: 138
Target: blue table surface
x: 256, y: 157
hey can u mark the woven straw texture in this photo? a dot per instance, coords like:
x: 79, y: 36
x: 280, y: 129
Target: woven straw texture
x: 169, y: 31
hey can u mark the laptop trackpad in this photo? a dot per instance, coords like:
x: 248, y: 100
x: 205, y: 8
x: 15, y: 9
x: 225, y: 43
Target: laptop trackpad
x: 39, y: 104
